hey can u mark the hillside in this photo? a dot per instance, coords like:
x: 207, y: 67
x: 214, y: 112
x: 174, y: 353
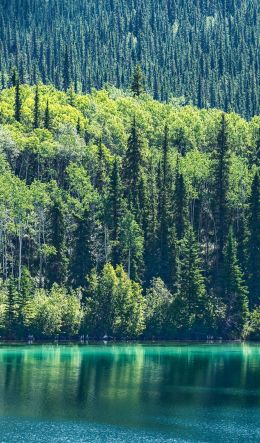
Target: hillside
x: 123, y: 214
x: 205, y: 51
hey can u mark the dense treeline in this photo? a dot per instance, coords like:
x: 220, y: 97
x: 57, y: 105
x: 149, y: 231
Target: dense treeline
x: 205, y: 51
x: 124, y: 216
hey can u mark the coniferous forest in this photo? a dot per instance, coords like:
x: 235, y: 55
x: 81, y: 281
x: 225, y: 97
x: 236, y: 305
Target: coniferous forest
x: 129, y: 204
x: 205, y: 51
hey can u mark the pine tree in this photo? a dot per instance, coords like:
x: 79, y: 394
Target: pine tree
x: 152, y: 256
x: 133, y: 169
x: 221, y: 185
x: 82, y: 260
x: 138, y: 81
x: 165, y: 212
x: 234, y: 291
x: 36, y: 121
x: 66, y: 70
x: 13, y: 314
x: 180, y: 204
x: 78, y: 127
x: 115, y: 209
x: 14, y: 77
x: 18, y: 101
x: 47, y: 118
x: 254, y: 243
x: 191, y: 293
x: 57, y: 263
x: 101, y: 177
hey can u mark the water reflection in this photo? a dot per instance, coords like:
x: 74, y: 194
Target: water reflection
x: 127, y: 384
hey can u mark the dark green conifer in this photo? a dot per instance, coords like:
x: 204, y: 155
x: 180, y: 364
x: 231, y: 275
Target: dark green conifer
x: 115, y: 209
x: 180, y: 204
x: 47, y: 117
x: 234, y: 292
x: 18, y: 101
x: 36, y: 113
x: 191, y: 293
x: 57, y: 262
x: 138, y: 81
x: 221, y: 186
x: 254, y: 243
x: 133, y: 168
x: 66, y: 70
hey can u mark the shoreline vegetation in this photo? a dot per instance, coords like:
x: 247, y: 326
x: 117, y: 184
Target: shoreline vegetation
x: 124, y: 217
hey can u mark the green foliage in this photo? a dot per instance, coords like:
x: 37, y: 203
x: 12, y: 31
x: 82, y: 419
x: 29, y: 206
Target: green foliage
x: 204, y: 52
x: 52, y: 313
x: 138, y: 81
x: 190, y: 307
x: 159, y: 302
x: 234, y: 292
x: 115, y: 306
x: 152, y: 189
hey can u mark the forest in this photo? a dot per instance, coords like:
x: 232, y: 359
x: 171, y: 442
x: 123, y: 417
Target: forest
x: 125, y: 216
x: 202, y: 51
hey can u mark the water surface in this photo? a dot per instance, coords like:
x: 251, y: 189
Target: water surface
x: 130, y: 393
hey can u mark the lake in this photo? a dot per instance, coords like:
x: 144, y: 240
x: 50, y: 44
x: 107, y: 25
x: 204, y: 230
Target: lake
x: 130, y: 393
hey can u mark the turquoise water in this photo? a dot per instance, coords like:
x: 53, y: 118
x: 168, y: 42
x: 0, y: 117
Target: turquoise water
x: 130, y: 393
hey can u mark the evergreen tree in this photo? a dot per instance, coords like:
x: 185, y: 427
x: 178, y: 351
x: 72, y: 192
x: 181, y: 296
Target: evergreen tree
x: 180, y: 204
x: 57, y: 266
x: 18, y: 101
x: 47, y: 118
x: 14, y: 77
x: 165, y: 212
x: 190, y: 304
x: 152, y: 256
x: 138, y: 81
x: 66, y: 70
x: 78, y: 128
x: 234, y: 291
x: 254, y: 243
x: 36, y: 114
x: 221, y: 186
x: 115, y: 209
x: 131, y: 247
x: 101, y: 178
x: 13, y: 312
x: 82, y: 260
x: 133, y: 169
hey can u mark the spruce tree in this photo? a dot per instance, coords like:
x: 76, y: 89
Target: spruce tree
x: 180, y: 204
x: 36, y: 113
x: 191, y: 293
x: 152, y: 255
x: 115, y: 208
x: 14, y: 77
x: 254, y: 243
x: 101, y: 177
x: 133, y: 169
x: 234, y: 292
x: 78, y: 127
x: 221, y: 185
x: 165, y: 213
x: 138, y: 81
x: 18, y: 101
x: 82, y: 260
x: 66, y: 70
x: 57, y: 262
x: 47, y: 117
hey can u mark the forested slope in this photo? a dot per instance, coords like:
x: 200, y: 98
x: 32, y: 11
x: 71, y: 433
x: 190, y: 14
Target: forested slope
x: 126, y: 216
x: 204, y: 50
